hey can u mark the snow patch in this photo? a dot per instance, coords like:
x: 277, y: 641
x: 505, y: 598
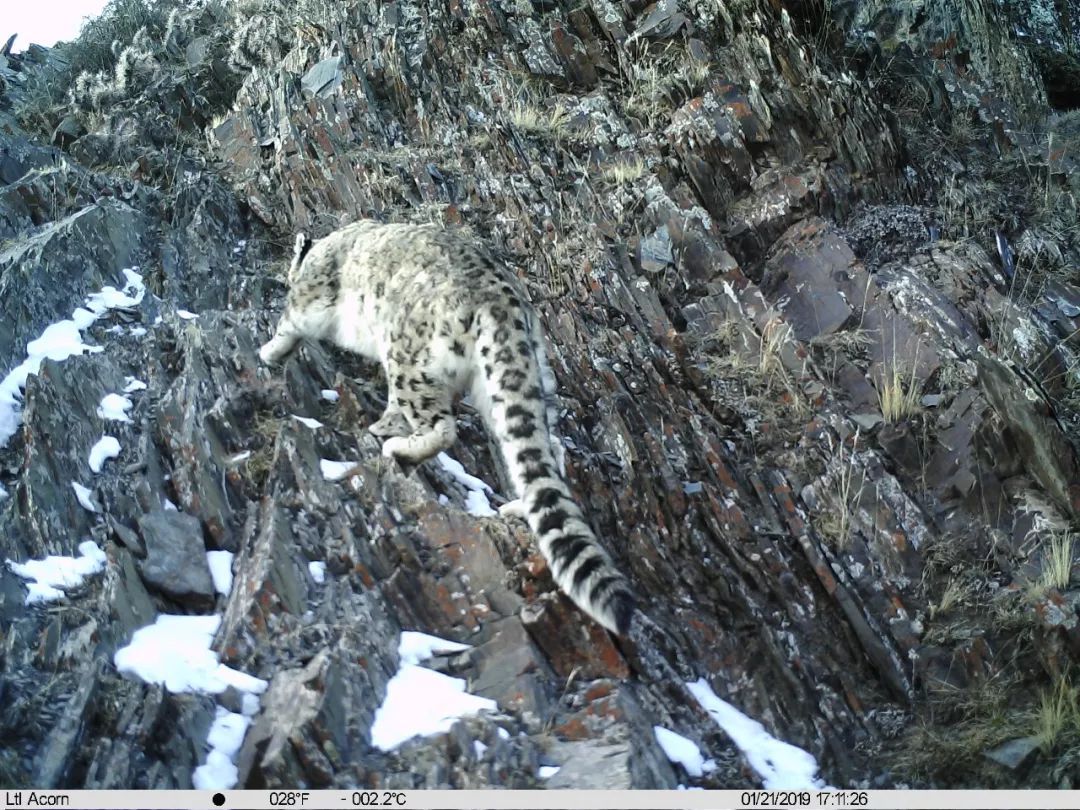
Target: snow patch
x: 476, y: 499
x: 317, y: 570
x: 225, y: 738
x: 186, y: 315
x: 476, y: 503
x: 414, y: 647
x: 83, y: 495
x: 175, y: 652
x: 780, y: 765
x: 58, y: 342
x: 249, y: 705
x: 132, y: 384
x: 547, y: 771
x: 49, y: 577
x: 306, y: 421
x: 220, y: 563
x: 130, y: 295
x: 105, y: 448
x: 336, y: 470
x: 455, y: 468
x: 420, y: 701
x: 680, y: 750
x: 330, y: 395
x: 115, y: 407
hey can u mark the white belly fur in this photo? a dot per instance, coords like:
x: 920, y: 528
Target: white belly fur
x: 355, y: 325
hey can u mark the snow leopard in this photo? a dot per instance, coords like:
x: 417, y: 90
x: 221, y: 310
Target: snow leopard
x: 445, y: 318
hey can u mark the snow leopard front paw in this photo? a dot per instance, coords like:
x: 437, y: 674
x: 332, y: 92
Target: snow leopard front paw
x: 396, y: 447
x: 275, y: 349
x: 514, y: 509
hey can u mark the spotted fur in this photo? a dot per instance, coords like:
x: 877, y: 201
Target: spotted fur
x: 444, y: 318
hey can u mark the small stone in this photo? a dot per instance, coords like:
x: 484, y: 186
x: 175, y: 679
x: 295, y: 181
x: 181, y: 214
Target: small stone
x: 656, y: 252
x: 67, y: 131
x: 197, y: 52
x: 1015, y: 754
x: 867, y: 421
x: 1067, y: 308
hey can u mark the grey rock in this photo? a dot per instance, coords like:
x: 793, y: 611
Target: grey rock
x: 656, y: 253
x: 46, y: 274
x: 197, y: 51
x: 324, y: 78
x: 692, y: 478
x: 67, y: 130
x: 591, y: 766
x: 175, y: 561
x: 511, y: 670
x: 57, y: 753
x: 800, y: 275
x: 1015, y: 754
x: 132, y: 606
x: 879, y: 234
x: 1039, y: 438
x: 867, y: 421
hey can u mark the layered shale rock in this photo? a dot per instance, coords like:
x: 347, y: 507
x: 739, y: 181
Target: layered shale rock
x: 821, y: 413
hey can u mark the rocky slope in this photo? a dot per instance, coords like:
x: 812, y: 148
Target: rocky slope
x: 810, y: 286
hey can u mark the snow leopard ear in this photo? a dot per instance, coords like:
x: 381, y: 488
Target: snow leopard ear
x: 300, y: 249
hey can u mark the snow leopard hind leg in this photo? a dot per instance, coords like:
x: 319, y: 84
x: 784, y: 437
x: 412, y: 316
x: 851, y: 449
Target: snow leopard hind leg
x: 425, y: 401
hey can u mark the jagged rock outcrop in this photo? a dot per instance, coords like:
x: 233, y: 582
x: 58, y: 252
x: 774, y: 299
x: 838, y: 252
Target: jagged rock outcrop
x: 818, y: 404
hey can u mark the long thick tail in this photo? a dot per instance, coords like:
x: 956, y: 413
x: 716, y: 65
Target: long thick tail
x: 516, y: 375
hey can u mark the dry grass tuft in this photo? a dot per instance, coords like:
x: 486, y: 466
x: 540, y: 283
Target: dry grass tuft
x: 533, y: 119
x: 1057, y: 717
x: 1057, y: 567
x: 897, y: 391
x: 835, y: 523
x: 624, y: 171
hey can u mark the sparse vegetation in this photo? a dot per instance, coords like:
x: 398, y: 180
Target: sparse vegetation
x: 845, y: 344
x: 834, y: 522
x: 955, y: 594
x: 1059, y: 562
x: 130, y: 45
x: 960, y: 726
x: 103, y: 38
x: 257, y: 466
x: 1056, y: 567
x: 897, y: 389
x: 533, y: 119
x: 624, y: 171
x: 757, y: 363
x: 108, y: 51
x: 898, y: 398
x: 1057, y: 717
x: 661, y: 81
